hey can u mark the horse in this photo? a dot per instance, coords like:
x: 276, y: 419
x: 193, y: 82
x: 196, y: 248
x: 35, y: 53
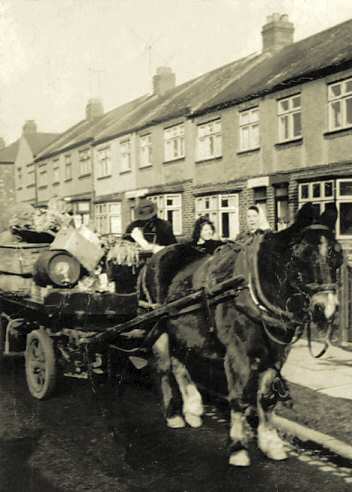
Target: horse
x: 290, y: 280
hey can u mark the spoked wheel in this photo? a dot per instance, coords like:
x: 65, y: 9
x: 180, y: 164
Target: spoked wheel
x: 40, y: 364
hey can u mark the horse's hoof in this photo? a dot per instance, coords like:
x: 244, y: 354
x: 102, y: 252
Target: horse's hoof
x: 240, y: 458
x: 278, y: 454
x: 193, y: 420
x: 176, y: 422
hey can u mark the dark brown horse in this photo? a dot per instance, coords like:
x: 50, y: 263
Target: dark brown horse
x: 290, y: 281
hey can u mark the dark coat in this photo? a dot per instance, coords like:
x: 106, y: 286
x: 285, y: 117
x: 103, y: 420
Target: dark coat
x: 155, y: 231
x: 208, y: 247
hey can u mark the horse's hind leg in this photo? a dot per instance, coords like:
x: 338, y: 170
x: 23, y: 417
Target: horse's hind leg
x: 192, y: 399
x: 167, y: 382
x: 268, y: 439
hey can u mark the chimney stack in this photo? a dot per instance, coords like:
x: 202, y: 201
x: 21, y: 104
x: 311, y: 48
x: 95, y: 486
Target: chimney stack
x: 2, y: 143
x: 277, y: 32
x: 94, y: 109
x: 163, y: 81
x: 29, y: 128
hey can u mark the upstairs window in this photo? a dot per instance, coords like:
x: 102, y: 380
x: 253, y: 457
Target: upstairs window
x: 68, y: 167
x: 31, y: 177
x: 170, y: 209
x: 104, y: 162
x: 42, y: 177
x: 85, y: 166
x: 174, y: 142
x: 249, y: 129
x: 209, y: 140
x: 145, y: 150
x: 340, y: 105
x: 56, y: 171
x: 19, y: 178
x: 289, y: 115
x: 125, y: 154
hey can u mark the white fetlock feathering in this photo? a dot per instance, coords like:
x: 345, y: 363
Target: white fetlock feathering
x: 176, y: 422
x: 240, y: 458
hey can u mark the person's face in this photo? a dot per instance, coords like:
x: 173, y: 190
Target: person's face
x: 206, y: 232
x: 77, y: 220
x: 252, y: 220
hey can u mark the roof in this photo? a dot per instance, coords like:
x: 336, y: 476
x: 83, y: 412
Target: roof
x: 9, y: 153
x: 181, y: 100
x: 312, y: 57
x: 243, y: 79
x: 39, y: 140
x: 84, y: 131
x: 36, y: 141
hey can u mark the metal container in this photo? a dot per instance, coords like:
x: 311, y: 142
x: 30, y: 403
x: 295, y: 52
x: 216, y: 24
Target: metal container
x: 57, y: 268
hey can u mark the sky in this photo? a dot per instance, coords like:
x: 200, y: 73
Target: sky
x: 56, y: 54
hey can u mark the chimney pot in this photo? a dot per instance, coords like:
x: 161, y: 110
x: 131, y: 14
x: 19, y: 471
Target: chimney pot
x: 94, y: 109
x: 29, y: 127
x: 163, y: 81
x: 277, y: 32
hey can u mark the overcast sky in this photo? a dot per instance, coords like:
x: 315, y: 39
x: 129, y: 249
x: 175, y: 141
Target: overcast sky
x: 55, y: 54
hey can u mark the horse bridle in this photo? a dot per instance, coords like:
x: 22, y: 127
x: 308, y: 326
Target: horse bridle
x: 297, y: 326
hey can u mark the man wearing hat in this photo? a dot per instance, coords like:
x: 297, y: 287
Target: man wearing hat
x: 148, y: 230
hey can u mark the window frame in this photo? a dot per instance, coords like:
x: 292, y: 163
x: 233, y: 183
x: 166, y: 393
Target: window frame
x: 104, y: 215
x: 215, y: 210
x: 174, y: 140
x: 68, y: 166
x: 341, y: 98
x: 289, y: 114
x: 164, y: 208
x: 104, y: 168
x: 249, y: 125
x: 145, y: 150
x: 214, y: 137
x: 85, y: 162
x: 125, y: 148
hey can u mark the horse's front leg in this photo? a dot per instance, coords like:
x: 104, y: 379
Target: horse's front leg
x: 237, y: 370
x: 167, y: 383
x: 192, y: 399
x: 268, y: 439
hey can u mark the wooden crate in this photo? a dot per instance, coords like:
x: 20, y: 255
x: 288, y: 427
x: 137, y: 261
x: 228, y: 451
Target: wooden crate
x: 19, y: 258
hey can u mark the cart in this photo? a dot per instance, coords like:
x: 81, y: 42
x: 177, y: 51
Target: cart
x: 85, y: 334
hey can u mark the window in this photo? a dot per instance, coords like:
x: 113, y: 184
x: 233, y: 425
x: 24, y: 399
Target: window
x: 209, y: 140
x: 170, y: 208
x: 174, y: 142
x: 344, y: 207
x: 340, y: 105
x: 108, y: 218
x: 249, y: 129
x: 125, y: 154
x: 281, y: 206
x: 145, y: 150
x: 68, y: 167
x: 222, y: 210
x: 84, y: 162
x: 30, y: 177
x: 104, y: 162
x: 320, y: 193
x: 56, y: 171
x: 83, y: 209
x: 289, y: 114
x: 42, y: 177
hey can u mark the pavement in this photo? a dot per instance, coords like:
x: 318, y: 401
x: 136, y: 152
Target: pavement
x: 330, y: 375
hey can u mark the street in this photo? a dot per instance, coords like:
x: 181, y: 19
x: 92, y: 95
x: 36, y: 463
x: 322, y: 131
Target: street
x: 63, y: 444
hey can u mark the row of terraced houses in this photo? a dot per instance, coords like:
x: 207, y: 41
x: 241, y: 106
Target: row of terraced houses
x: 273, y: 128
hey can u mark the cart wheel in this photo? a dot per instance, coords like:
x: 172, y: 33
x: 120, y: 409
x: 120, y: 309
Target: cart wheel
x: 40, y: 364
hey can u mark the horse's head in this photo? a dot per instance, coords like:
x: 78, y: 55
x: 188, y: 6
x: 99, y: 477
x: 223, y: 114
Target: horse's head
x: 315, y: 257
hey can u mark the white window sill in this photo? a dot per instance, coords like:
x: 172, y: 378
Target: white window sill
x: 296, y: 140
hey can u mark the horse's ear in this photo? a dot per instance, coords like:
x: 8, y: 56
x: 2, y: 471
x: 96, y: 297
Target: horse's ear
x: 329, y: 217
x: 305, y: 216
